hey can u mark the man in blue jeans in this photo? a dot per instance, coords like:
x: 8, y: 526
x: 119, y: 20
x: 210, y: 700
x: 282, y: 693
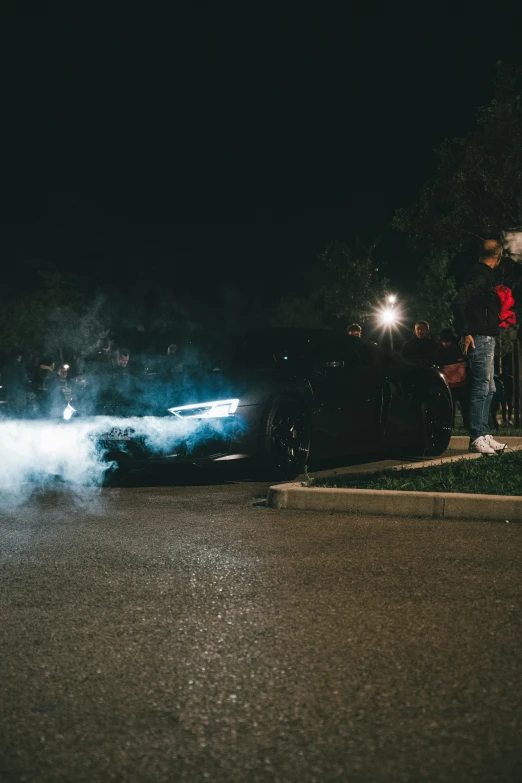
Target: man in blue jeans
x: 476, y: 308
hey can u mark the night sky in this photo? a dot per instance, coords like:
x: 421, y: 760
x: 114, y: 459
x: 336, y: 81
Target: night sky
x: 229, y: 144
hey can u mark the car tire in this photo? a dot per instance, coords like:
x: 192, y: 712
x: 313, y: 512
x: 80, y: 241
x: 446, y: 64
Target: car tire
x: 284, y: 440
x: 118, y: 470
x: 435, y: 420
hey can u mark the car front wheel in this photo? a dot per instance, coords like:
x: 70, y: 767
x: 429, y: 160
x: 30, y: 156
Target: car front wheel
x: 284, y: 439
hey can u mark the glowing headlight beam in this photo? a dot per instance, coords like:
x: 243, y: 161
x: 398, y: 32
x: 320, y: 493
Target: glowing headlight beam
x: 206, y: 410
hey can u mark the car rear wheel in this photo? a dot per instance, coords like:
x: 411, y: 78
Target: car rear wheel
x: 435, y: 420
x: 284, y: 439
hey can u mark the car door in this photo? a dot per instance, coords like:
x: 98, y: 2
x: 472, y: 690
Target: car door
x: 400, y: 418
x: 348, y: 394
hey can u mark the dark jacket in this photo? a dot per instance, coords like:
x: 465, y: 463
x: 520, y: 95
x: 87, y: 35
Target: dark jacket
x: 420, y: 349
x: 14, y: 377
x: 56, y: 396
x: 44, y: 380
x: 450, y: 355
x: 476, y: 306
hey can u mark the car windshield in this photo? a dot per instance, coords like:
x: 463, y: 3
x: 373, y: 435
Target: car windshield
x: 290, y: 348
x: 267, y: 348
x: 250, y: 350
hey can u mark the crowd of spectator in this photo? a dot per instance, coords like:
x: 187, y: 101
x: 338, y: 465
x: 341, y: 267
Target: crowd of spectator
x: 34, y: 388
x: 42, y: 386
x: 446, y: 354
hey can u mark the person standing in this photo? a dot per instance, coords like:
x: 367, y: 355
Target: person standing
x: 354, y: 330
x: 121, y: 361
x: 421, y: 348
x: 15, y: 378
x: 172, y: 363
x: 476, y: 309
x: 59, y: 392
x: 507, y: 402
x: 45, y: 382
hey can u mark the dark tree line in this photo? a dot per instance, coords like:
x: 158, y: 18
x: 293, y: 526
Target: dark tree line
x: 475, y: 192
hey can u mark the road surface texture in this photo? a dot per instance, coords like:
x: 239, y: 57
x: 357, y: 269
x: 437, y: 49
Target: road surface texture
x: 185, y: 632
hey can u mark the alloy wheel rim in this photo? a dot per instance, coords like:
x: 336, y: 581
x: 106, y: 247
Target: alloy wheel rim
x: 289, y: 437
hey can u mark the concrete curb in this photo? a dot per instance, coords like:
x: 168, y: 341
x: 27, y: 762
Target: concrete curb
x: 436, y: 505
x: 432, y: 461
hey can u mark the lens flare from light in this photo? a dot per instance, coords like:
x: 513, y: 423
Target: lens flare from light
x: 391, y: 299
x: 206, y: 410
x: 388, y: 317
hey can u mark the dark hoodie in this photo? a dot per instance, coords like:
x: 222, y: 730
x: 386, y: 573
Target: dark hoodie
x: 421, y: 350
x: 476, y: 306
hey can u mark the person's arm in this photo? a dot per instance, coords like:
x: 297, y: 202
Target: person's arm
x: 439, y: 358
x: 434, y: 347
x: 471, y: 288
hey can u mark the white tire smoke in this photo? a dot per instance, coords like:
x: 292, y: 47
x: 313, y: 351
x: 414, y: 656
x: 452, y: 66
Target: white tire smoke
x: 40, y: 453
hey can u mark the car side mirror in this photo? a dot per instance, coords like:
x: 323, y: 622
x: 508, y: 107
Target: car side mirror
x: 321, y: 367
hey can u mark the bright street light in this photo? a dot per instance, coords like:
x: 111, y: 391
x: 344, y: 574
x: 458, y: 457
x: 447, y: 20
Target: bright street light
x: 388, y: 317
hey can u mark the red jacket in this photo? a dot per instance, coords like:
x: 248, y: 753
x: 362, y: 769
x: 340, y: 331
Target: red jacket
x: 506, y: 316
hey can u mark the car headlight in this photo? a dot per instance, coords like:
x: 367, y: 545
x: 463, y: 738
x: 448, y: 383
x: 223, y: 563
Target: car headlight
x: 68, y: 412
x: 206, y: 410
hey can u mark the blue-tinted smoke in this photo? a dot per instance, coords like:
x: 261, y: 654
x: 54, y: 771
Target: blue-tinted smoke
x: 120, y: 415
x: 37, y: 454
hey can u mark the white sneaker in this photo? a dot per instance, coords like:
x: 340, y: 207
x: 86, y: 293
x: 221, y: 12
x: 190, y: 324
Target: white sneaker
x: 481, y: 446
x: 494, y: 443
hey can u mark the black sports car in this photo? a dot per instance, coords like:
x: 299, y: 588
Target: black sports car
x: 281, y: 396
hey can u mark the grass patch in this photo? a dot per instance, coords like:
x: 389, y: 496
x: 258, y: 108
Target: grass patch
x: 504, y: 430
x: 500, y: 475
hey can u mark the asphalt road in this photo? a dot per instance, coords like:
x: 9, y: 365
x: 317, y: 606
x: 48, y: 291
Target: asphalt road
x: 187, y: 633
